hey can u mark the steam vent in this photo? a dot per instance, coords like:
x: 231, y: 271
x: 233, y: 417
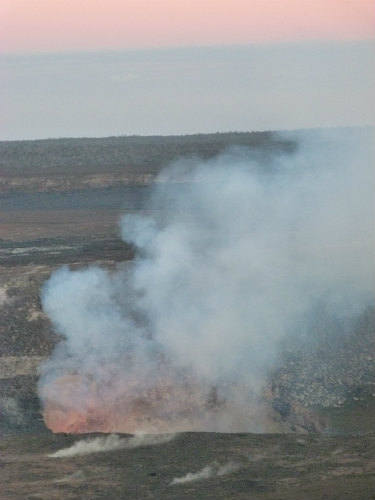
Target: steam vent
x: 193, y: 321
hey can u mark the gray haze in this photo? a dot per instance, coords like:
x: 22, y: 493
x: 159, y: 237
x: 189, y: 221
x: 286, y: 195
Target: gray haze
x: 183, y: 91
x: 237, y: 259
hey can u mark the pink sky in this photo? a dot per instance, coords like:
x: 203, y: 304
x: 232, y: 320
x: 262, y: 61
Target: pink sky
x: 66, y: 25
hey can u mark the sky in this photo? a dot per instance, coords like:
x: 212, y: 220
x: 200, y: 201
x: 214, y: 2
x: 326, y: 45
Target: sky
x: 71, y: 25
x: 124, y: 67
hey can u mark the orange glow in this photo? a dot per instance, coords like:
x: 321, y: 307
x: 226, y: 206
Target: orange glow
x: 68, y: 25
x: 132, y: 409
x: 73, y: 405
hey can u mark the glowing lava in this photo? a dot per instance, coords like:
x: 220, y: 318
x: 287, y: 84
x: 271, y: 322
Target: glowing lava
x: 83, y: 407
x: 78, y: 405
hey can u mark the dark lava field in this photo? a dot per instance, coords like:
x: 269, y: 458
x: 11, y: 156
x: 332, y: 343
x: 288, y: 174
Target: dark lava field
x: 191, y: 466
x: 60, y: 202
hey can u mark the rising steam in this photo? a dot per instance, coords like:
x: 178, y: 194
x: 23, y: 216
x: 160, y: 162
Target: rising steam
x: 209, y: 471
x: 111, y: 442
x: 235, y: 258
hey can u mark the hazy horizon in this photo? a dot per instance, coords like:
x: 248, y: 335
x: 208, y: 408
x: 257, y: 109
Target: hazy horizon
x: 179, y: 91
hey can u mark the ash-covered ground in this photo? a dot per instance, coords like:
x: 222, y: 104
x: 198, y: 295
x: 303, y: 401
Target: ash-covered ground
x: 319, y: 395
x: 188, y: 465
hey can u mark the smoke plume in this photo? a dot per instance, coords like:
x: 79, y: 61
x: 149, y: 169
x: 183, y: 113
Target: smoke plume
x: 109, y: 443
x: 209, y: 471
x: 237, y: 254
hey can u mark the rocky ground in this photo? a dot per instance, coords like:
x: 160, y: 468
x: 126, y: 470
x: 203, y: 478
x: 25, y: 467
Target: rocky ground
x: 189, y: 466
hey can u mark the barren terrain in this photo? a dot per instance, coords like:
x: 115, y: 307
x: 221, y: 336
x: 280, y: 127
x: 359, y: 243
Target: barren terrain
x: 192, y: 466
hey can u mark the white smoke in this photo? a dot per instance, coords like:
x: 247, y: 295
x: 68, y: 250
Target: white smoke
x: 4, y: 297
x: 234, y: 259
x: 209, y: 471
x: 76, y: 477
x: 109, y: 443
